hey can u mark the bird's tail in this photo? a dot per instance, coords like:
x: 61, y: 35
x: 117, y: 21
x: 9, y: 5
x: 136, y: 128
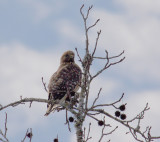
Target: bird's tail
x: 51, y: 108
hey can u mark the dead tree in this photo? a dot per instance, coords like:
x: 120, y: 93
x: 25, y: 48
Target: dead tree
x: 82, y: 109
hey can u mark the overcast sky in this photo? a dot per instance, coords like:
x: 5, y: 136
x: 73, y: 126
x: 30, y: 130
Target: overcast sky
x: 34, y: 34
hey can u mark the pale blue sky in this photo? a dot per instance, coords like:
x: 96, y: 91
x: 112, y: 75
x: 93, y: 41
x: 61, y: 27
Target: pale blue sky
x: 34, y: 34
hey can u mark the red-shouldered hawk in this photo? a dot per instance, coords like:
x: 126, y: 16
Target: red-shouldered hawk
x: 65, y: 81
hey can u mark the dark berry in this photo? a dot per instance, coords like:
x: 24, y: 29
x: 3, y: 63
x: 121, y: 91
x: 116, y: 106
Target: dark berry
x: 117, y: 113
x: 71, y: 119
x: 29, y: 135
x: 122, y: 107
x: 56, y: 140
x: 100, y: 123
x: 123, y: 116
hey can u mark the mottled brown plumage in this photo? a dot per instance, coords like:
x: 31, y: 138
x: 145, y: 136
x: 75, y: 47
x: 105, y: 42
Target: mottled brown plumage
x: 65, y: 81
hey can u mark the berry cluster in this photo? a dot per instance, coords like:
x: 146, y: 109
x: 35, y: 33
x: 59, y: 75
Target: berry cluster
x: 118, y: 113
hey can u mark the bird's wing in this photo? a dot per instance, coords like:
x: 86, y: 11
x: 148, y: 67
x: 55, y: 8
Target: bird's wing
x: 67, y: 78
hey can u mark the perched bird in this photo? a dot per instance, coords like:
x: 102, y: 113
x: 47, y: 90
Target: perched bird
x: 64, y: 82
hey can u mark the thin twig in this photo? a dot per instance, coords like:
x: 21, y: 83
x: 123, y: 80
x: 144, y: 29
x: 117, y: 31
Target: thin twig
x: 85, y: 25
x: 93, y: 25
x: 28, y: 134
x: 140, y: 115
x: 96, y: 97
x: 6, y: 126
x: 106, y: 67
x: 88, y: 137
x: 110, y: 57
x: 81, y: 11
x: 107, y: 125
x: 67, y: 122
x: 88, y: 11
x: 134, y: 135
x: 4, y: 135
x: 79, y: 56
x: 111, y: 104
x: 95, y: 47
x: 44, y: 84
x: 105, y: 134
x: 25, y: 136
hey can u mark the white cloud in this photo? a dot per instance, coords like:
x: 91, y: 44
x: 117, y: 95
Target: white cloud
x: 40, y: 9
x: 108, y: 86
x: 141, y: 7
x: 21, y: 72
x: 69, y: 30
x: 138, y: 37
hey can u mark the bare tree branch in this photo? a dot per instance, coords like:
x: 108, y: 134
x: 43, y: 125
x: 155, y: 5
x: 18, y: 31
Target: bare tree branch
x: 110, y: 57
x: 95, y: 47
x: 93, y: 25
x: 96, y: 97
x: 85, y: 25
x: 111, y: 104
x: 88, y: 137
x: 106, y: 66
x: 4, y: 135
x: 79, y: 56
x: 105, y: 134
x: 22, y: 101
x: 140, y: 115
x: 44, y: 84
x: 107, y: 125
x: 67, y: 122
x: 147, y: 137
x: 28, y: 134
x: 6, y: 126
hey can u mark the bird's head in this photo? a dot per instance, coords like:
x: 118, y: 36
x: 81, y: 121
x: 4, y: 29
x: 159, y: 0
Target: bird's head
x: 67, y: 57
